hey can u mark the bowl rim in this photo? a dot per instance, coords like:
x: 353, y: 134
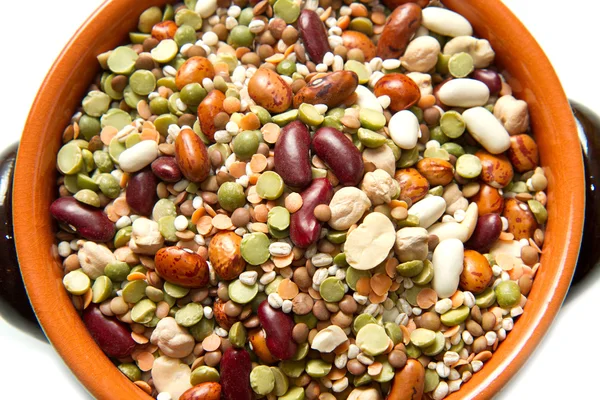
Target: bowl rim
x: 86, y: 360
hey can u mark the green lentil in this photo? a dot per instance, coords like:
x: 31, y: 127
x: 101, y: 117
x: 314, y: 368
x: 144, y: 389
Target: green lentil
x: 410, y: 268
x: 435, y: 152
x: 318, y: 368
x: 165, y: 51
x: 292, y: 368
x: 361, y: 321
x: 122, y: 60
x: 108, y: 88
x: 371, y: 139
x: 163, y: 208
x: 154, y: 294
x: 436, y: 191
x: 285, y: 118
x: 109, y: 185
x: 88, y: 197
x: 452, y: 124
x: 387, y: 371
x: 76, y: 282
x: 117, y: 271
x: 278, y: 218
x: 240, y: 36
x: 131, y: 371
x: 189, y: 315
x: 192, y: 94
x: 134, y: 291
x: 273, y: 286
x: 116, y: 118
x: 437, y: 347
x: 442, y: 63
x: 361, y: 24
x: 486, y: 298
x: 422, y: 337
x: 89, y: 126
x: 539, y: 211
x: 286, y: 67
x: 394, y: 332
x: 309, y: 319
x: 245, y: 145
x: 255, y: 248
x: 362, y: 380
x: 408, y: 158
x: 371, y: 119
x: 453, y: 148
x: 188, y: 17
x: 101, y: 289
x: 69, y: 159
x: 359, y: 69
x: 143, y: 311
x: 426, y: 274
x: 96, y: 103
x: 372, y: 339
x: 332, y: 290
x: 438, y: 135
x: 231, y: 196
x: 166, y: 227
x: 175, y: 291
x: 262, y: 380
x: 310, y: 115
x: 269, y: 185
x: 337, y: 237
x: 202, y: 329
x: 468, y: 166
x: 85, y: 182
x: 123, y: 236
x: 142, y: 82
x: 460, y: 65
x: 237, y: 335
x: 242, y: 293
x: 432, y: 380
x: 456, y: 316
x: 282, y: 383
x: 204, y: 373
x: 287, y: 10
x: 353, y: 275
x: 508, y: 294
x: 295, y: 393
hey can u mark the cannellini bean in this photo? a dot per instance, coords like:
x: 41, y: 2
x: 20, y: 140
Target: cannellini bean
x: 479, y: 49
x: 487, y: 130
x: 447, y: 266
x: 423, y: 81
x: 429, y: 210
x: 446, y: 22
x: 454, y: 230
x: 404, y: 129
x: 513, y: 114
x: 464, y: 92
x: 206, y: 8
x: 366, y: 99
x: 421, y: 54
x: 138, y: 156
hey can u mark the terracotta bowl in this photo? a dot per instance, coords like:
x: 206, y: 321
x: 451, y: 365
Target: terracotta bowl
x: 521, y: 60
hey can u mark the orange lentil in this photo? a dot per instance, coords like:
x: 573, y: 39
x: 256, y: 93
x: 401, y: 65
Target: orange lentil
x: 197, y: 214
x: 258, y: 163
x: 204, y: 225
x: 250, y: 122
x: 377, y: 299
x: 271, y: 132
x: 145, y: 361
x: 231, y: 105
x: 427, y: 101
x: 238, y: 169
x: 427, y: 298
x: 107, y: 134
x: 287, y: 289
x: 144, y: 386
x: 380, y: 284
x: 211, y: 342
x: 343, y: 22
x: 222, y: 222
x: 363, y: 286
x: 261, y: 213
x: 139, y: 338
x: 136, y: 276
x: 282, y: 262
x: 293, y: 202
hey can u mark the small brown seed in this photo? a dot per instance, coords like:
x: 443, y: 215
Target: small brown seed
x: 322, y: 212
x: 300, y: 333
x: 488, y: 321
x: 397, y: 359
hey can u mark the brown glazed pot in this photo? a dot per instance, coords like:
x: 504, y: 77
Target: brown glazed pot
x: 520, y: 60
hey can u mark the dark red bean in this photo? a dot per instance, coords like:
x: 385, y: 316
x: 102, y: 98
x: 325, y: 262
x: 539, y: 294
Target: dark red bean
x: 166, y: 168
x: 487, y: 231
x: 392, y: 4
x: 490, y: 78
x: 90, y: 223
x: 141, y: 192
x: 113, y: 336
x: 235, y: 374
x: 292, y: 159
x: 304, y: 226
x: 340, y: 155
x: 278, y: 326
x: 314, y: 35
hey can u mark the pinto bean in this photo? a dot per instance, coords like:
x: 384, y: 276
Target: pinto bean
x: 332, y: 89
x: 399, y: 29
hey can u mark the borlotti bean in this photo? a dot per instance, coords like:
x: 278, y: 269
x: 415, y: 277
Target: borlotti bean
x: 298, y: 190
x: 446, y: 22
x: 404, y: 129
x: 464, y: 93
x: 486, y: 129
x: 447, y: 266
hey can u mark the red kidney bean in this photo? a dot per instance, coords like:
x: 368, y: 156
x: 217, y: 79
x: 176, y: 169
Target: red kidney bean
x: 340, y: 154
x: 304, y: 226
x: 141, y: 192
x: 292, y: 159
x: 487, y: 231
x: 314, y: 35
x: 490, y: 78
x: 90, y: 223
x: 235, y: 374
x: 278, y: 327
x: 399, y: 30
x: 166, y: 168
x: 113, y: 336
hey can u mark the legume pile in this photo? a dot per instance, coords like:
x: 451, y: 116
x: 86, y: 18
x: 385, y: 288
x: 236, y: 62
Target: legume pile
x: 300, y: 199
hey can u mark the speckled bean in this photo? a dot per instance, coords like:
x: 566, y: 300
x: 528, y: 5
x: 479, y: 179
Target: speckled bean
x: 399, y: 29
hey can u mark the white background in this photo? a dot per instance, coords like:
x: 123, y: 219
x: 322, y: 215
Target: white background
x: 35, y: 31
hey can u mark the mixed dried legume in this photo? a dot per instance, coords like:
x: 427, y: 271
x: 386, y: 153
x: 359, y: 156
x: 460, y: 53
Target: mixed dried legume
x: 300, y: 199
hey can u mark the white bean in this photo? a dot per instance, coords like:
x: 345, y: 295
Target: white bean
x: 429, y: 210
x: 446, y: 22
x: 421, y: 55
x: 487, y: 130
x: 366, y: 99
x: 138, y: 156
x: 464, y: 92
x: 404, y: 129
x: 454, y: 230
x: 447, y: 266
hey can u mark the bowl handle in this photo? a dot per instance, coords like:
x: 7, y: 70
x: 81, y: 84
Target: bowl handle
x: 16, y: 309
